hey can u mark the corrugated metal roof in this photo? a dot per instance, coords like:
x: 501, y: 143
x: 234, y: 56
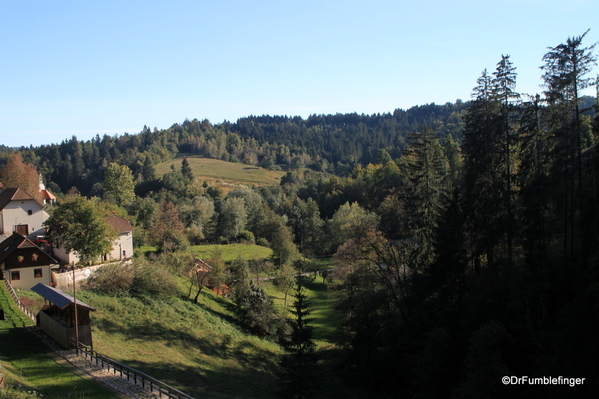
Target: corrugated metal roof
x: 58, y: 297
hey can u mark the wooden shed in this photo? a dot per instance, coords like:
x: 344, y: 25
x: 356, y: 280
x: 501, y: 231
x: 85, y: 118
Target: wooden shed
x: 57, y: 317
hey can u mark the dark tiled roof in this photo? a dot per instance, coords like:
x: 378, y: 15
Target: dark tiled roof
x: 57, y: 297
x: 17, y: 241
x: 120, y: 224
x: 14, y: 194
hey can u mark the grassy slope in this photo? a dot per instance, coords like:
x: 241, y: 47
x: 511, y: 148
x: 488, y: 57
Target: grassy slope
x: 27, y: 362
x: 194, y: 347
x: 199, y: 348
x: 222, y: 173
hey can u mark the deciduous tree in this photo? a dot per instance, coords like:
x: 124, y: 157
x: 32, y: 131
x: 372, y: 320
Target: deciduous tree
x: 78, y: 226
x: 167, y: 231
x: 233, y: 217
x: 119, y: 184
x: 16, y: 173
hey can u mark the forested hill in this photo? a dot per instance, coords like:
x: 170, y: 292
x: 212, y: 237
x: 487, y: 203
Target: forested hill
x: 351, y: 137
x: 333, y: 143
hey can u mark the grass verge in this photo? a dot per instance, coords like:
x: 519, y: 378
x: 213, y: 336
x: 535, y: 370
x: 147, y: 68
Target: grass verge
x: 29, y: 365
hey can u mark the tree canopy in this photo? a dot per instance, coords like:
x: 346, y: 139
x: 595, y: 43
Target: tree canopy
x: 78, y: 226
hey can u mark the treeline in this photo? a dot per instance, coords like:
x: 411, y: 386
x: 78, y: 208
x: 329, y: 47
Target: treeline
x: 492, y: 274
x: 331, y: 143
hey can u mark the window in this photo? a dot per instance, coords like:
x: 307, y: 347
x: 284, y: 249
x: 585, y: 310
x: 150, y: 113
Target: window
x: 37, y: 273
x: 15, y: 275
x: 30, y: 212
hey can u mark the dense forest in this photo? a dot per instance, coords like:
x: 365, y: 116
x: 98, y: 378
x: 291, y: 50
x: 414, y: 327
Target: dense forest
x: 466, y: 235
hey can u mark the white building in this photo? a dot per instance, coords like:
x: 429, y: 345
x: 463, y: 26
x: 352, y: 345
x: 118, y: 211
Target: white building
x: 121, y: 249
x: 23, y: 263
x: 20, y: 212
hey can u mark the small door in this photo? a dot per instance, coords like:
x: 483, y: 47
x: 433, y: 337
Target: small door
x: 22, y: 229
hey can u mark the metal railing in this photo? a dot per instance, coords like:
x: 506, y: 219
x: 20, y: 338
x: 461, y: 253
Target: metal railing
x: 136, y: 376
x: 26, y: 309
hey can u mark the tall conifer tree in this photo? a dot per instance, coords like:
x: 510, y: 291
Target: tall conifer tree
x: 504, y: 83
x: 483, y: 148
x: 565, y: 68
x: 427, y: 170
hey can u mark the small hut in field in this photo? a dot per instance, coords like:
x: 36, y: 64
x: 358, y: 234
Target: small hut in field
x: 202, y: 270
x: 57, y: 317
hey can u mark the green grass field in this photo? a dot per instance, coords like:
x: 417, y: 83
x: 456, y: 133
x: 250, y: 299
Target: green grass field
x: 229, y: 252
x: 200, y: 349
x: 225, y: 174
x: 232, y: 251
x: 196, y: 348
x: 326, y: 321
x: 29, y: 365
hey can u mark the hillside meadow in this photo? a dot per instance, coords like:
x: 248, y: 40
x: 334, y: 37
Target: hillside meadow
x: 221, y: 173
x: 200, y: 348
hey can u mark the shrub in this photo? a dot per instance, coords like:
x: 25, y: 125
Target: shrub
x: 17, y: 392
x: 246, y: 236
x: 141, y: 278
x: 149, y: 279
x: 111, y: 279
x: 263, y: 242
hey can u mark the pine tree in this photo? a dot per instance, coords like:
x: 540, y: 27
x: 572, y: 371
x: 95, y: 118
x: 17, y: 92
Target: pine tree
x: 299, y: 362
x: 186, y: 170
x: 426, y: 169
x: 565, y: 68
x: 484, y: 149
x: 534, y: 181
x: 147, y: 172
x: 504, y: 83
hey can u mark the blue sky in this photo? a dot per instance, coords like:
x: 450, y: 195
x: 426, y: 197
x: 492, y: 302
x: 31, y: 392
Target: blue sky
x: 85, y: 67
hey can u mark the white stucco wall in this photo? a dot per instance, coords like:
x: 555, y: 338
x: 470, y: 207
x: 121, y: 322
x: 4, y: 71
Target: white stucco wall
x: 61, y: 254
x: 16, y: 212
x: 122, y: 249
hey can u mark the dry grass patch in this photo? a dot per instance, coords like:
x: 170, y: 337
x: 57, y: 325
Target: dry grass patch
x: 224, y: 174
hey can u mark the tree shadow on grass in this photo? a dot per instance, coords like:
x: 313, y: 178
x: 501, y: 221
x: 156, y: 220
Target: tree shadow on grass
x: 158, y: 332
x: 28, y: 357
x: 226, y: 381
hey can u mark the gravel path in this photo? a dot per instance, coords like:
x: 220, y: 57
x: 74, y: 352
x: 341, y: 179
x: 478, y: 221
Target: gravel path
x: 105, y: 375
